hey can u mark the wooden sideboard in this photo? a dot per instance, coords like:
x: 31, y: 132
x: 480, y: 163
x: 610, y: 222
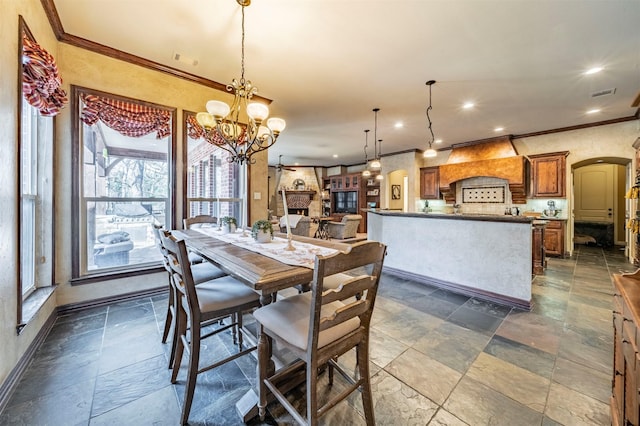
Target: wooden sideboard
x: 626, y: 359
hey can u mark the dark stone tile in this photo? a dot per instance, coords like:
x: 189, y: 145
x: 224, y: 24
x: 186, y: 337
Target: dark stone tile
x: 534, y: 360
x: 156, y: 408
x: 493, y: 309
x: 118, y: 353
x: 474, y: 320
x: 449, y: 296
x: 122, y: 386
x: 74, y: 316
x: 430, y: 305
x: 594, y: 383
x: 81, y: 325
x: 549, y: 307
x: 132, y: 313
x: 67, y: 406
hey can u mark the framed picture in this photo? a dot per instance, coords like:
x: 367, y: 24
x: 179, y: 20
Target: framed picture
x: 395, y: 192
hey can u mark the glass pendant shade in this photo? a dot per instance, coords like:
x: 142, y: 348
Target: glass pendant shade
x: 206, y: 120
x: 366, y: 173
x: 276, y: 124
x: 218, y: 109
x: 379, y: 177
x: 257, y: 111
x: 429, y: 153
x: 375, y: 164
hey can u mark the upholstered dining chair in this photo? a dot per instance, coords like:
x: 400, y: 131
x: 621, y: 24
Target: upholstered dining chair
x: 201, y: 272
x: 321, y: 325
x: 203, y: 305
x: 300, y: 225
x: 346, y: 228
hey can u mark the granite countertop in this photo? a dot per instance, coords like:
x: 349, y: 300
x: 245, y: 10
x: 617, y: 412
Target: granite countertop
x: 456, y: 216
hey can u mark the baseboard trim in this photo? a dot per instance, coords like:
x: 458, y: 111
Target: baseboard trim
x: 12, y: 380
x: 461, y: 289
x: 94, y: 303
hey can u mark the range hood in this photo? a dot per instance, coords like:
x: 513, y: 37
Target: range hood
x: 489, y: 158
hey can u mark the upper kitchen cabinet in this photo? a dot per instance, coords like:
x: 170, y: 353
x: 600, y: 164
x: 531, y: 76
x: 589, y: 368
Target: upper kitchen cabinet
x: 548, y: 175
x: 429, y: 183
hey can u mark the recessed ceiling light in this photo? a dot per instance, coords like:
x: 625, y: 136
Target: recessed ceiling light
x: 468, y: 105
x: 335, y: 155
x: 438, y: 141
x: 593, y: 70
x: 399, y: 125
x: 593, y: 111
x: 498, y: 129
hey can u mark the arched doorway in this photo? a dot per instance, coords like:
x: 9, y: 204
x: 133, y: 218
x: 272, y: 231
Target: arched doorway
x: 600, y: 209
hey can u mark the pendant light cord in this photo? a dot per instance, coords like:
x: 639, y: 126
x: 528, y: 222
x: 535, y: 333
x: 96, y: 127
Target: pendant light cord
x: 430, y: 83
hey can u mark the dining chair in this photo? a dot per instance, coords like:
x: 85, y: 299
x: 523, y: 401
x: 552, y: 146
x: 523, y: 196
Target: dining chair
x: 199, y: 220
x: 319, y: 326
x: 196, y: 222
x: 200, y: 306
x: 202, y: 273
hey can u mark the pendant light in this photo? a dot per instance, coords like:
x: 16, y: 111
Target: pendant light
x: 430, y: 152
x: 366, y: 172
x: 375, y: 164
x: 380, y: 176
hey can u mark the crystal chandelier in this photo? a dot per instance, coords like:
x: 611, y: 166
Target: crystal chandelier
x: 375, y: 164
x: 222, y: 122
x: 366, y: 172
x: 430, y: 152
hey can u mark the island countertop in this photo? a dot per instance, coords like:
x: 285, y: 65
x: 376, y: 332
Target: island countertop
x: 458, y: 216
x: 485, y: 256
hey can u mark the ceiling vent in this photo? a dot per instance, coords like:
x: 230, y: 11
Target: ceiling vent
x: 605, y: 92
x: 184, y: 59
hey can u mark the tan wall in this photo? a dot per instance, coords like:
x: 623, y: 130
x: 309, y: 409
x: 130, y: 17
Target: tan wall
x: 13, y: 346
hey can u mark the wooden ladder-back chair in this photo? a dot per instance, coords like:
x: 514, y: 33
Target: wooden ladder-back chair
x: 322, y: 325
x: 202, y: 273
x: 198, y: 221
x: 200, y: 306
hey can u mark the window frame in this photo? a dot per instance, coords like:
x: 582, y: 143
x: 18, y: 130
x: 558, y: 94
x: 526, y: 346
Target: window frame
x: 79, y: 272
x: 30, y: 297
x: 186, y: 199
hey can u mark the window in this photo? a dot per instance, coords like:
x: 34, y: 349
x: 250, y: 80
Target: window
x: 213, y: 183
x: 123, y: 182
x: 35, y: 141
x: 41, y: 99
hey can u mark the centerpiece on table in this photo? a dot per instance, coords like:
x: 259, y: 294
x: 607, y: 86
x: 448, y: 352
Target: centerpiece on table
x: 229, y: 224
x: 262, y: 231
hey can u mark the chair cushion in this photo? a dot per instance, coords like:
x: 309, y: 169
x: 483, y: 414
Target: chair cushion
x: 205, y: 271
x: 289, y: 319
x: 224, y: 293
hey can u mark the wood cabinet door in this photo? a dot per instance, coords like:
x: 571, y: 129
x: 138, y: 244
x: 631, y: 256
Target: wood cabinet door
x: 429, y: 183
x: 554, y: 238
x: 548, y: 175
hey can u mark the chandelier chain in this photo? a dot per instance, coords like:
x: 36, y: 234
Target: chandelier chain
x: 242, y: 50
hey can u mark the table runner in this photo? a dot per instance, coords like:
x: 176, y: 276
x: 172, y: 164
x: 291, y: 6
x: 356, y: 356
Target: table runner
x: 304, y: 255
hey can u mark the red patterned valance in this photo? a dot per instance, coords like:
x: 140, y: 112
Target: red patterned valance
x: 128, y: 118
x: 41, y: 81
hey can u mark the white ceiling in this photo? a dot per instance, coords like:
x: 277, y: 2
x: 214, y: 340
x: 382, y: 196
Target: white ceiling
x: 327, y: 63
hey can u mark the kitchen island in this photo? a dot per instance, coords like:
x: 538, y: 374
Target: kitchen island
x: 484, y: 256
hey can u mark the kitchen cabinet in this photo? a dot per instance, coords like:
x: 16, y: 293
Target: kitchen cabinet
x: 538, y: 258
x: 626, y: 359
x: 554, y: 238
x: 548, y: 175
x: 429, y: 183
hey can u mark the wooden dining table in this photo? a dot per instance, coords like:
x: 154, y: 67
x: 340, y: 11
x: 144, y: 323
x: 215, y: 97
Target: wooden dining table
x: 263, y: 274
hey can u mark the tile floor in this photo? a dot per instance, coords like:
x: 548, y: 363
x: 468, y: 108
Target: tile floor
x: 437, y: 358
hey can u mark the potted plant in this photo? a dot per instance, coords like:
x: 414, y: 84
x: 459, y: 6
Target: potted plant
x: 229, y: 224
x: 262, y: 231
